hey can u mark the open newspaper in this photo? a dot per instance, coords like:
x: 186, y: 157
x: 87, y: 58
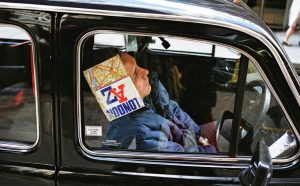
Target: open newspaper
x: 113, y: 88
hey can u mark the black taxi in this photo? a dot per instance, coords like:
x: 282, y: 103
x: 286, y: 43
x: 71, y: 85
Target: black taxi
x: 215, y: 66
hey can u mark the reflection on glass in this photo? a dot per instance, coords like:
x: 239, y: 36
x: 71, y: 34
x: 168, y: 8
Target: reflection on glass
x: 17, y: 92
x: 190, y: 89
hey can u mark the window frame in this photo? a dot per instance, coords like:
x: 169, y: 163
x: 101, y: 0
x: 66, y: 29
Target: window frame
x: 130, y: 155
x: 13, y: 146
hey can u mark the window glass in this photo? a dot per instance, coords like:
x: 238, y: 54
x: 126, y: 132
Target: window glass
x: 170, y: 94
x: 264, y: 119
x: 116, y: 40
x: 17, y: 87
x: 297, y: 69
x: 191, y: 46
x: 180, y: 45
x: 190, y: 89
x: 261, y: 119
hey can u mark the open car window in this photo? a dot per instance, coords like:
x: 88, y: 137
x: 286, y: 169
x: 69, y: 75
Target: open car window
x: 190, y: 106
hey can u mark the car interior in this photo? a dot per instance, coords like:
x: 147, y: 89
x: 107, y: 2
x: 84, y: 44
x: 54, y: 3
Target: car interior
x: 202, y: 79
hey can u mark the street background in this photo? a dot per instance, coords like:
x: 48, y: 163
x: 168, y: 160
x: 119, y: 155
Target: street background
x: 292, y: 51
x: 276, y: 15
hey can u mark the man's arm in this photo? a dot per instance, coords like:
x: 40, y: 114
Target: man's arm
x: 148, y: 139
x: 173, y: 110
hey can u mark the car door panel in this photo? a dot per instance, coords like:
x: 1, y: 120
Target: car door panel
x: 37, y: 165
x: 74, y: 159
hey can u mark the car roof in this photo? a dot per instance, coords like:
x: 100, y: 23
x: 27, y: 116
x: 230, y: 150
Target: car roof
x: 220, y: 10
x: 223, y: 13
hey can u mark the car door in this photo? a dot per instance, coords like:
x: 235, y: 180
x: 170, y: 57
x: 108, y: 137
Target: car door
x: 226, y: 87
x: 27, y: 148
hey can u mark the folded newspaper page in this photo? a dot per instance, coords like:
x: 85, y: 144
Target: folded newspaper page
x: 113, y: 88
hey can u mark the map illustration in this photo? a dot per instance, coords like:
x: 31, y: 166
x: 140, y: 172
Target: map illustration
x: 113, y: 88
x: 105, y: 73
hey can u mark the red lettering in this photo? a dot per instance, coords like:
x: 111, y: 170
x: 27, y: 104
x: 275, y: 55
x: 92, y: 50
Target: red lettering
x: 120, y: 94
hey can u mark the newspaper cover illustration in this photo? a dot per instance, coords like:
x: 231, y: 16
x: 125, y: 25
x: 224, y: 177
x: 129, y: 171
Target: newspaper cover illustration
x: 113, y: 88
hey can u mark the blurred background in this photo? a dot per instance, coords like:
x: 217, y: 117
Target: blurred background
x: 275, y: 13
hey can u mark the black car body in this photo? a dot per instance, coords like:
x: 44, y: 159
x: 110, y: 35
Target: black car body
x: 46, y: 106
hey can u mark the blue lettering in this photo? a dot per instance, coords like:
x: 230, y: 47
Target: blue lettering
x: 126, y: 107
x: 116, y: 113
x: 121, y: 110
x: 137, y: 102
x: 109, y: 100
x: 132, y: 105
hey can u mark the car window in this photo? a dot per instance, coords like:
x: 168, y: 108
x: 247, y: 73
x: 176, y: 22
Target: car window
x: 185, y: 95
x: 18, y: 123
x: 202, y: 48
x: 262, y: 119
x: 102, y: 40
x: 262, y: 113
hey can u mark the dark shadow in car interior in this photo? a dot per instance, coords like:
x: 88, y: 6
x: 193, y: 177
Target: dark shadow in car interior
x: 189, y: 79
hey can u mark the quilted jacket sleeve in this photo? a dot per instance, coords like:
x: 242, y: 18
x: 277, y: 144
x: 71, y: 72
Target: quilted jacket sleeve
x: 173, y: 110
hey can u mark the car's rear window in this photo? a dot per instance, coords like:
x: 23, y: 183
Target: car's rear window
x: 18, y: 105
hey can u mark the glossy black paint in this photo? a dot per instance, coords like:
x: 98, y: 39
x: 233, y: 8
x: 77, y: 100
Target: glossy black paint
x: 85, y: 4
x: 251, y: 46
x: 38, y: 166
x: 74, y: 159
x: 58, y: 160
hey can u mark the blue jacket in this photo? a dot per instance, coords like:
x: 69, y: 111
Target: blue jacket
x: 176, y: 132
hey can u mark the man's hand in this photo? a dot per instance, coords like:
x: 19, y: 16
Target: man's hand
x: 237, y: 1
x: 203, y: 141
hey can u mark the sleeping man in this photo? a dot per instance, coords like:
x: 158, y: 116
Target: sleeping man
x: 159, y: 126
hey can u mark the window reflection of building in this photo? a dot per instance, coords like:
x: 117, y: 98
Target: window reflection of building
x: 273, y: 13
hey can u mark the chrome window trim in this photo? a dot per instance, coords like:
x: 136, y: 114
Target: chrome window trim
x: 111, y: 154
x: 13, y: 146
x: 202, y: 178
x: 157, y: 175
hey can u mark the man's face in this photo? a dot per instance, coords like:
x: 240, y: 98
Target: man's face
x: 138, y: 75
